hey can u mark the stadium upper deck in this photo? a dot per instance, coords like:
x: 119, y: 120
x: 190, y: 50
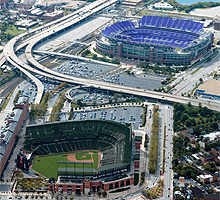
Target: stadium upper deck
x: 171, y: 35
x: 156, y: 30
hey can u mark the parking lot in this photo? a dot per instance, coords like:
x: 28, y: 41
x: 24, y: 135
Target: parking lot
x: 89, y: 97
x: 89, y: 71
x: 130, y: 115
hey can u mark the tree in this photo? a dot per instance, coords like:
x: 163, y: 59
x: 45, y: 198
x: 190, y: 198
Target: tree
x: 188, y: 123
x: 110, y: 100
x: 94, y: 56
x: 104, y: 193
x: 184, y: 118
x: 99, y: 193
x: 210, y: 167
x: 214, y: 125
x: 200, y: 80
x: 79, y: 102
x: 189, y: 104
x: 26, y: 196
x: 116, y: 96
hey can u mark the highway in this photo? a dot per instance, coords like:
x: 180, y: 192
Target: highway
x: 41, y: 70
x: 191, y: 78
x: 168, y: 177
x: 44, y: 32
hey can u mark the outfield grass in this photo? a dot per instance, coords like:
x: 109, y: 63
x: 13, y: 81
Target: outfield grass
x: 47, y: 165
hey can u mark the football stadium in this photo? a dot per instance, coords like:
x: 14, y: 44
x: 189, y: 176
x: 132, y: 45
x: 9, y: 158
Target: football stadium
x: 154, y: 39
x: 83, y: 156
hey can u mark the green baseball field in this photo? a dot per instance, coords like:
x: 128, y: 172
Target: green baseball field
x: 47, y: 165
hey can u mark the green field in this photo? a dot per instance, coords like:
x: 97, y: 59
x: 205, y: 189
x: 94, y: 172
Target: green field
x: 47, y: 165
x: 12, y: 30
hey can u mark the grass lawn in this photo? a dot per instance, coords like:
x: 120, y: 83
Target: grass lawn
x: 14, y: 31
x: 47, y: 165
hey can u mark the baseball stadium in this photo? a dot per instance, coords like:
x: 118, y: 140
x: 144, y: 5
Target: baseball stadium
x: 83, y: 156
x: 154, y: 39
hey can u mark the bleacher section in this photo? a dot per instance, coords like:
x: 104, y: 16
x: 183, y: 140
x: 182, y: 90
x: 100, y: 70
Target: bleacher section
x: 69, y: 136
x: 156, y: 30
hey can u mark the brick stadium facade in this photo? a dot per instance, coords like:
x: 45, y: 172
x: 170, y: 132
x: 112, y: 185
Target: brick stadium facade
x: 143, y: 41
x: 7, y: 146
x: 89, y: 185
x: 113, y: 139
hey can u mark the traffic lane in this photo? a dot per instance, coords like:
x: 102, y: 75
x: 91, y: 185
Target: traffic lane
x: 169, y: 154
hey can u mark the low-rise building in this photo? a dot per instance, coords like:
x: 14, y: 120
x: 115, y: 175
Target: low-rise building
x: 216, y: 151
x: 181, y: 181
x: 217, y: 24
x: 161, y: 5
x: 10, y: 132
x: 207, y: 158
x: 199, y: 194
x: 205, y: 178
x: 132, y: 2
x: 53, y: 16
x: 210, y: 89
x: 25, y: 23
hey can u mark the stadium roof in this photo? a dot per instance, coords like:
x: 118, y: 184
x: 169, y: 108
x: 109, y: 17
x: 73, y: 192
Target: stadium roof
x: 156, y: 31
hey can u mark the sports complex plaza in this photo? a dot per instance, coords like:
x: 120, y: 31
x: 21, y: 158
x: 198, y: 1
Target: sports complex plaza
x: 154, y: 39
x: 84, y: 156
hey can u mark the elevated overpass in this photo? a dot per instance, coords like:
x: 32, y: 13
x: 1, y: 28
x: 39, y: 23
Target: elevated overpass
x: 41, y: 70
x: 33, y: 61
x: 44, y: 32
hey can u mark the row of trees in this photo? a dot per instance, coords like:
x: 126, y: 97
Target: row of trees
x: 62, y: 85
x: 57, y: 108
x: 16, y: 97
x: 38, y: 110
x: 153, y: 153
x: 144, y: 116
x: 142, y: 177
x: 188, y: 8
x: 146, y: 140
